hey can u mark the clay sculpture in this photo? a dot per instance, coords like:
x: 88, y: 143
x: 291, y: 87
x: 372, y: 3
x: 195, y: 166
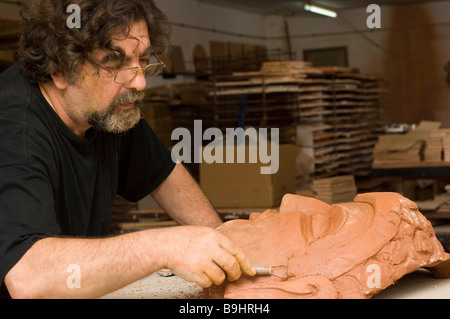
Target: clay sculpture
x: 348, y: 250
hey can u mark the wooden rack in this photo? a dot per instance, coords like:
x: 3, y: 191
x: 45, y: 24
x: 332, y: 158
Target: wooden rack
x: 331, y: 113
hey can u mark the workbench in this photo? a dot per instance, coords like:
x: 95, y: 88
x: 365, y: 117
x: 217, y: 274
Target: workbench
x: 402, y: 172
x: 417, y: 285
x: 436, y: 171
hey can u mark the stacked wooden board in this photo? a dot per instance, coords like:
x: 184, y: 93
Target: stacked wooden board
x: 255, y: 99
x: 446, y: 147
x: 438, y: 146
x: 433, y: 146
x: 136, y: 220
x: 343, y: 112
x: 384, y: 154
x: 157, y: 112
x: 424, y: 143
x: 158, y: 115
x: 295, y: 67
x: 338, y: 189
x: 340, y: 108
x: 178, y: 106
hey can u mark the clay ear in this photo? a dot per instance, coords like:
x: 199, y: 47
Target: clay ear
x: 385, y: 202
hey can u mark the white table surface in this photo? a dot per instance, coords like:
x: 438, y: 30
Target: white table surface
x: 417, y: 285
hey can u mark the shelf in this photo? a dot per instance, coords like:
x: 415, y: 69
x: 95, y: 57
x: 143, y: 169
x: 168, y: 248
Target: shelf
x: 338, y: 112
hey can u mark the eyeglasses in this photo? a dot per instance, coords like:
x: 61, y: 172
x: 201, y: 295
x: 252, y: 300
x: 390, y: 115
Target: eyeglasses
x: 149, y: 71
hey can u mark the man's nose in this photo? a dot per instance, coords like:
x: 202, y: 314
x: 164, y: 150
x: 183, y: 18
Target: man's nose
x: 138, y: 83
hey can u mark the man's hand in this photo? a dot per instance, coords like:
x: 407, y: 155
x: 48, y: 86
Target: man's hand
x: 203, y: 255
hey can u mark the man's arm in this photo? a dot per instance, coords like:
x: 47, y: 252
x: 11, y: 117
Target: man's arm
x: 181, y: 197
x: 105, y: 265
x: 195, y: 253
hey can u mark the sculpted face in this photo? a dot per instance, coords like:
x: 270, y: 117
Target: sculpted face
x: 350, y: 250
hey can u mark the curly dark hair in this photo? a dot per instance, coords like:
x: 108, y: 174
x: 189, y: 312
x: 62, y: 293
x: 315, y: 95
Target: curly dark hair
x: 48, y: 46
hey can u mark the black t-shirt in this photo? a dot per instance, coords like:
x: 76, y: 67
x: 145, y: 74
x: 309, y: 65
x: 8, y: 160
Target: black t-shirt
x: 53, y: 182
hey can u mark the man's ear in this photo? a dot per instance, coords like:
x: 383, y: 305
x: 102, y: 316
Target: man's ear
x: 59, y: 80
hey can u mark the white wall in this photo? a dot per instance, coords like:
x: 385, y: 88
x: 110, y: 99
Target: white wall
x: 210, y: 17
x: 409, y: 52
x: 312, y: 32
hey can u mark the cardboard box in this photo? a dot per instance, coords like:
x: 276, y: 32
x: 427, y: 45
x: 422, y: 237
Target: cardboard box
x: 241, y: 185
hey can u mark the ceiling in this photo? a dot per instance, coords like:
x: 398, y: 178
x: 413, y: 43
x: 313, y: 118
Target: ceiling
x: 289, y: 7
x: 295, y: 7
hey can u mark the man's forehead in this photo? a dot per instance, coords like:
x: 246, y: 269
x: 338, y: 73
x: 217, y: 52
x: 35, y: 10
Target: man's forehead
x: 138, y: 32
x: 142, y: 37
x: 136, y: 42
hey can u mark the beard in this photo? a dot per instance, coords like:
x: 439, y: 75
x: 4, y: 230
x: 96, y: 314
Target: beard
x: 115, y: 120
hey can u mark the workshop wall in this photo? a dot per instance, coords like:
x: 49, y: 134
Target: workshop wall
x: 196, y: 24
x: 204, y: 23
x: 9, y: 11
x: 409, y: 52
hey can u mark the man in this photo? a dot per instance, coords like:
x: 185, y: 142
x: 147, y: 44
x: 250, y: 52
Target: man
x: 71, y: 137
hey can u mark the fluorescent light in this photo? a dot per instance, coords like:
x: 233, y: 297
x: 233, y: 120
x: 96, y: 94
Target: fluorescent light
x: 320, y: 10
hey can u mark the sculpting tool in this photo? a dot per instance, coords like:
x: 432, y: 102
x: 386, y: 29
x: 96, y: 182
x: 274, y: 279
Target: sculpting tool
x: 262, y: 270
